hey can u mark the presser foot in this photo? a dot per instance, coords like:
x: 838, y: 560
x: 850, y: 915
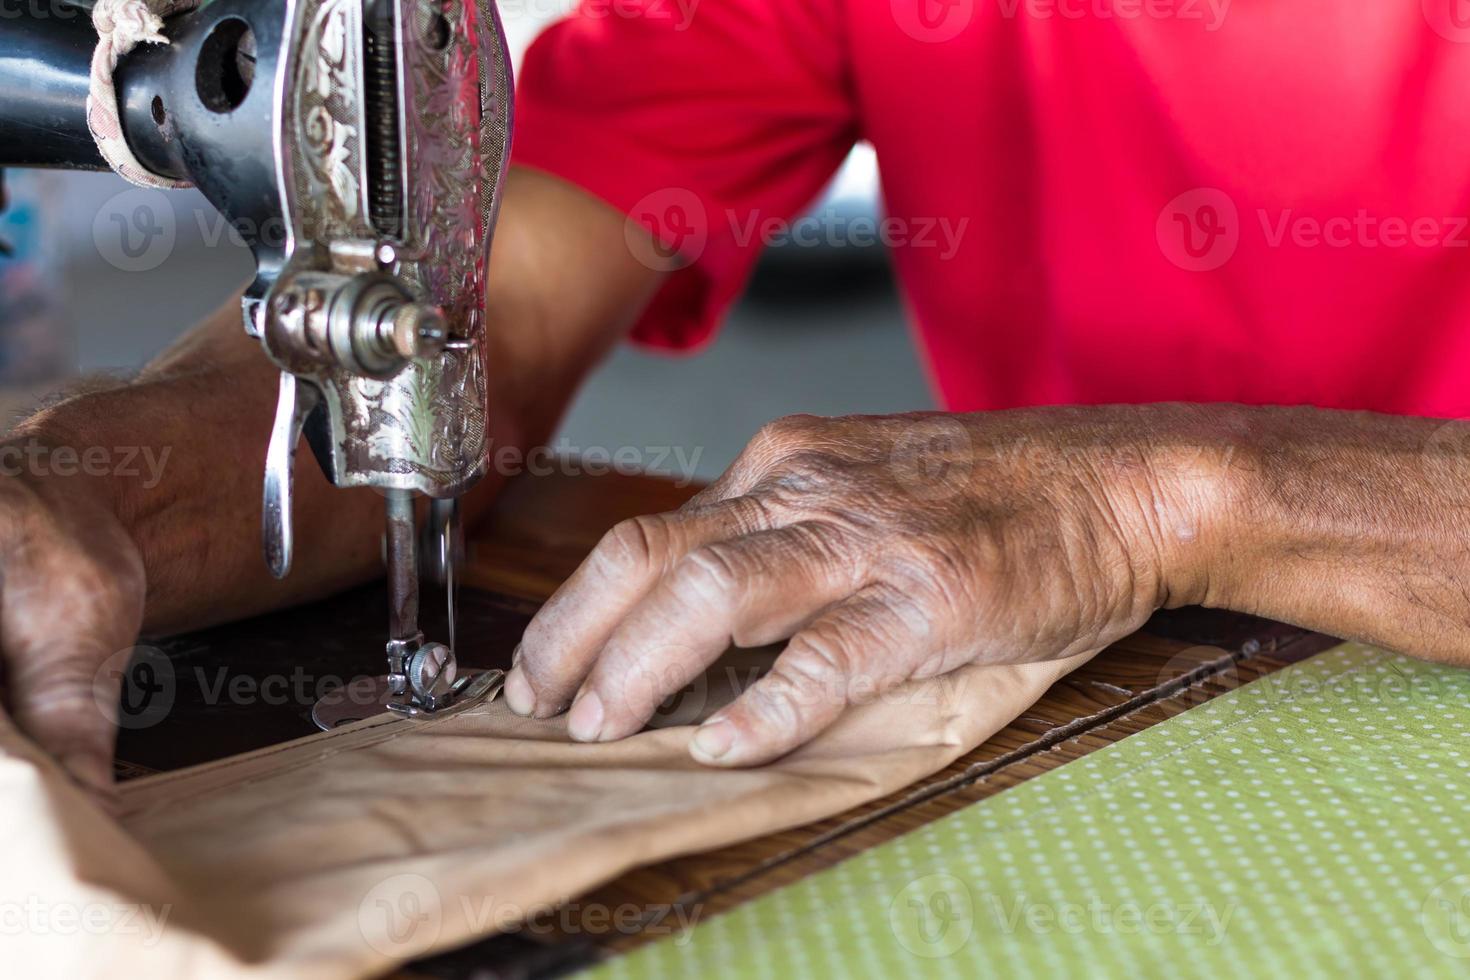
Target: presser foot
x: 423, y: 677
x: 368, y: 697
x: 465, y: 689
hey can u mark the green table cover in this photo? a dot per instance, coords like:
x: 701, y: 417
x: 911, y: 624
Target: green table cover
x: 1315, y: 822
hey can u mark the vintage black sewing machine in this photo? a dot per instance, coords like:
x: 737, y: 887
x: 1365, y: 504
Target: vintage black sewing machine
x: 359, y: 147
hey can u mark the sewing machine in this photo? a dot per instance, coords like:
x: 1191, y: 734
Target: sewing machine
x: 359, y: 148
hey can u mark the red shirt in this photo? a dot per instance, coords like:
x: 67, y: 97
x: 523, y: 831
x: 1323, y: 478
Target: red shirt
x: 1146, y: 200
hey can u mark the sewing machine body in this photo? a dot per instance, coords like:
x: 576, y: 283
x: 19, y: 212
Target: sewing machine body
x: 359, y: 147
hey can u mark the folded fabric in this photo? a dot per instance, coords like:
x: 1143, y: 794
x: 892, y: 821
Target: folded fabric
x: 349, y: 852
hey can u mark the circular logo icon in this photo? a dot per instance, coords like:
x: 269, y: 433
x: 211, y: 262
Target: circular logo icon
x: 1450, y: 19
x: 933, y: 456
x: 685, y: 706
x: 135, y: 688
x: 1445, y: 917
x: 135, y: 230
x: 663, y: 672
x: 676, y: 220
x: 401, y: 915
x: 932, y: 21
x: 1206, y: 672
x: 933, y: 916
x: 1199, y: 230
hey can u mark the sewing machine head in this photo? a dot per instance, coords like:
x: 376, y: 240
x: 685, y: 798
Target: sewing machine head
x: 359, y: 147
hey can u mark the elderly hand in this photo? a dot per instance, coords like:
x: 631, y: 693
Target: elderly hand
x: 884, y: 548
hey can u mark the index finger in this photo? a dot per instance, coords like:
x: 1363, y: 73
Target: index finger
x: 567, y: 633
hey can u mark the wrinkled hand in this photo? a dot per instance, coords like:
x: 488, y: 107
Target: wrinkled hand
x: 71, y: 596
x: 884, y: 548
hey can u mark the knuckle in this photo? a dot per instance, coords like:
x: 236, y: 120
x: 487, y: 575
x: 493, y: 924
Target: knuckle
x: 817, y: 658
x: 768, y: 443
x: 774, y: 705
x: 58, y: 705
x: 60, y: 688
x: 744, y: 514
x: 635, y: 544
x: 707, y: 498
x: 779, y: 436
x: 783, y: 430
x: 752, y: 512
x: 708, y: 572
x: 774, y: 442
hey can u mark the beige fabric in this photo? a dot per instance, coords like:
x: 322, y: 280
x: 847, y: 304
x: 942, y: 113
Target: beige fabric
x: 349, y: 852
x: 121, y: 26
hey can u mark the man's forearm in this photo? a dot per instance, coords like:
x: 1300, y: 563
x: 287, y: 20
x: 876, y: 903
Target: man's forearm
x: 1352, y: 523
x: 202, y: 413
x: 562, y: 287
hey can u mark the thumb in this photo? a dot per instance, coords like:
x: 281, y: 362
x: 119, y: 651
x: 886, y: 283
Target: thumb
x: 58, y: 705
x: 71, y: 695
x: 68, y: 619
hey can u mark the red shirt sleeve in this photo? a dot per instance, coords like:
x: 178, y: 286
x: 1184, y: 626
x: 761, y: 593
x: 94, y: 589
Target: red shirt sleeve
x: 705, y: 121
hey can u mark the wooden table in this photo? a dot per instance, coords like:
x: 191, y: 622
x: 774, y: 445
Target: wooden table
x: 541, y: 529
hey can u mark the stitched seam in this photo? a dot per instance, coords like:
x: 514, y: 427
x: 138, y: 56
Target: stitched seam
x: 318, y: 743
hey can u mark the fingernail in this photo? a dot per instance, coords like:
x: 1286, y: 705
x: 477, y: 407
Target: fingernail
x: 515, y: 655
x: 585, y: 722
x: 519, y: 696
x: 712, y: 740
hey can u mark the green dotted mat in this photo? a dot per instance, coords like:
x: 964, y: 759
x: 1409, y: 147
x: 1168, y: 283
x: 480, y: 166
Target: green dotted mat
x: 1315, y: 822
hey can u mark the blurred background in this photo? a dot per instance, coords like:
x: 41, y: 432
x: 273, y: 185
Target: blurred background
x: 820, y: 330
